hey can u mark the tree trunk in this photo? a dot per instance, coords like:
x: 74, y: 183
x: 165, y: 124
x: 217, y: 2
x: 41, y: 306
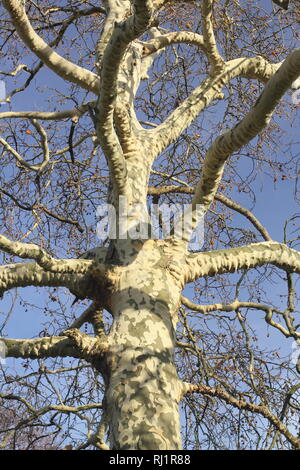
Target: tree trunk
x: 143, y: 389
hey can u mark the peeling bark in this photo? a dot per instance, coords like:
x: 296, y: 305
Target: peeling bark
x: 143, y: 389
x: 245, y: 257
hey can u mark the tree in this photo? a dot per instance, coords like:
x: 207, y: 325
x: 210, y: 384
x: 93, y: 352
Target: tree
x: 152, y: 83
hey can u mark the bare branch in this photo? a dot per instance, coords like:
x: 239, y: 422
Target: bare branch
x: 250, y: 256
x: 90, y: 348
x: 93, y: 315
x: 62, y: 67
x: 46, y: 409
x: 16, y: 71
x: 30, y: 274
x: 288, y: 332
x: 44, y: 145
x: 232, y: 307
x: 121, y: 37
x: 125, y: 134
x: 219, y: 197
x: 53, y: 346
x: 60, y: 218
x: 232, y: 140
x: 23, y: 162
x: 97, y: 439
x: 73, y: 114
x: 70, y: 343
x: 160, y: 42
x: 169, y: 131
x: 116, y: 12
x: 212, y: 52
x: 243, y: 211
x: 242, y: 404
x: 43, y: 259
x: 210, y: 90
x: 255, y: 67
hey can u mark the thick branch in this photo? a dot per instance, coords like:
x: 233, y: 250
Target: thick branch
x: 30, y: 274
x: 244, y: 131
x: 62, y: 67
x: 255, y: 67
x: 202, y: 96
x: 213, y: 55
x: 71, y: 343
x: 44, y: 260
x: 38, y: 348
x: 160, y: 42
x: 173, y: 126
x: 121, y: 37
x: 125, y: 134
x: 116, y: 12
x: 250, y: 256
x: 93, y: 315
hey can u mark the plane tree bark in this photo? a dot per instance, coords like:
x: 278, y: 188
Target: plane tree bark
x: 137, y: 279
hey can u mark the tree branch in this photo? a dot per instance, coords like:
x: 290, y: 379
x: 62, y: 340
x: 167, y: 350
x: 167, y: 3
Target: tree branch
x: 24, y: 163
x: 242, y: 404
x: 122, y: 35
x: 73, y: 114
x: 43, y: 259
x: 232, y: 140
x: 232, y: 307
x: 209, y: 90
x: 250, y: 256
x: 288, y: 332
x: 38, y: 348
x: 243, y: 211
x: 116, y: 12
x: 125, y: 134
x: 72, y: 343
x: 212, y: 52
x: 160, y: 42
x: 62, y: 67
x: 30, y: 274
x: 218, y: 197
x: 93, y: 315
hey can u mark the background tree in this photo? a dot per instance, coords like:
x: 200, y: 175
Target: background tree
x: 132, y: 103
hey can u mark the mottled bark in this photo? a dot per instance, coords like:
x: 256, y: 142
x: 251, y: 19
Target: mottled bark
x: 245, y: 257
x: 143, y: 389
